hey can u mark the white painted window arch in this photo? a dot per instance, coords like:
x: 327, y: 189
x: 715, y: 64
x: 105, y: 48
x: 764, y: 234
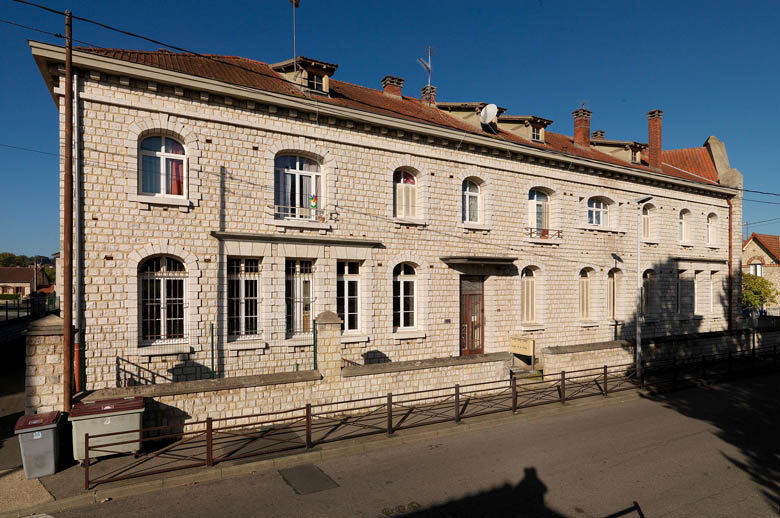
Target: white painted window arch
x: 471, y: 201
x: 404, y: 296
x: 162, y: 300
x: 163, y: 166
x: 404, y: 194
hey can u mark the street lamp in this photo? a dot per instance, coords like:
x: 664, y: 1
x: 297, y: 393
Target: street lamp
x: 639, y: 316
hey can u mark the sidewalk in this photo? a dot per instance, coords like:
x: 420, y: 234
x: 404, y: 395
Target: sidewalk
x: 64, y: 490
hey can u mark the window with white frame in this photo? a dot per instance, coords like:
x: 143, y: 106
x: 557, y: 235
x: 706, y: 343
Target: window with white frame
x: 647, y: 222
x: 584, y: 294
x: 536, y: 133
x: 163, y: 162
x: 648, y: 293
x: 314, y: 82
x: 348, y: 294
x: 612, y: 293
x: 299, y: 296
x: 598, y: 212
x: 757, y: 269
x: 243, y: 297
x: 538, y: 213
x: 684, y: 224
x: 712, y: 219
x: 161, y: 285
x: 470, y: 203
x: 634, y: 156
x: 405, y: 194
x: 297, y: 188
x: 528, y: 295
x: 404, y: 296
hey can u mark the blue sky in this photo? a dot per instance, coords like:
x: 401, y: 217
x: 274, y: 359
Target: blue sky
x: 711, y: 66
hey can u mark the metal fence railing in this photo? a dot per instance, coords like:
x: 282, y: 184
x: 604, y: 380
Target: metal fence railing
x: 215, y: 440
x: 36, y: 306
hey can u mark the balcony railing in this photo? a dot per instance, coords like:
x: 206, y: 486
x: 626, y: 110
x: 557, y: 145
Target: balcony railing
x: 299, y: 213
x: 543, y: 233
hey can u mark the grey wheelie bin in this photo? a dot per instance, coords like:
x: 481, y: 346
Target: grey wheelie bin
x: 39, y: 440
x: 107, y: 416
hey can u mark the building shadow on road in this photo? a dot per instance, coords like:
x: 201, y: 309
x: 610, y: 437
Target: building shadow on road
x: 746, y: 414
x: 523, y: 500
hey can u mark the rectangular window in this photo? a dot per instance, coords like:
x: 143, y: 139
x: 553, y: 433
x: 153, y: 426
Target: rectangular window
x: 528, y: 300
x: 757, y: 269
x: 695, y: 285
x: 348, y: 294
x: 536, y: 134
x: 314, y: 82
x: 243, y: 297
x: 299, y: 296
x: 298, y: 188
x: 611, y: 296
x: 403, y: 303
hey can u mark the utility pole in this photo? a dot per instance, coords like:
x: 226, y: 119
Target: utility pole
x: 67, y: 208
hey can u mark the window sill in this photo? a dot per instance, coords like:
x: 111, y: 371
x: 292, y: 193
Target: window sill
x: 410, y: 222
x: 532, y: 327
x: 474, y: 226
x: 543, y: 240
x: 713, y: 247
x: 354, y: 339
x: 244, y: 343
x: 164, y: 349
x: 599, y: 228
x: 650, y: 242
x: 302, y: 223
x: 169, y: 201
x: 685, y: 244
x: 408, y: 335
x: 589, y: 324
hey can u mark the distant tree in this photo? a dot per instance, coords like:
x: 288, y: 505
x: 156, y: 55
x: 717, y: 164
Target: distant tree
x: 757, y: 292
x: 9, y: 259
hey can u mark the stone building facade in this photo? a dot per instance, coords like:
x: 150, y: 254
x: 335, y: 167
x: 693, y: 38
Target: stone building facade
x: 431, y: 236
x: 761, y: 256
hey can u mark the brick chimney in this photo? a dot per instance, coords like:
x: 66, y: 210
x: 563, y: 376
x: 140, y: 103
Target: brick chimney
x: 428, y: 94
x: 598, y: 135
x: 582, y: 126
x: 392, y: 85
x: 654, y: 118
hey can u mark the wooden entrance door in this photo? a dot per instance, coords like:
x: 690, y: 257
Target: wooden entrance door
x: 472, y: 315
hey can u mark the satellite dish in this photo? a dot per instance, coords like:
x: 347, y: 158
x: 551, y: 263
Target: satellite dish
x: 487, y: 118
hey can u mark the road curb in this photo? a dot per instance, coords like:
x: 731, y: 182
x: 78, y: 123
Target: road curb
x: 327, y: 451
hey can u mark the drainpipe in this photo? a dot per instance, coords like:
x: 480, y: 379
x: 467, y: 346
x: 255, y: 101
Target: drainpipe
x: 79, y: 337
x: 731, y: 270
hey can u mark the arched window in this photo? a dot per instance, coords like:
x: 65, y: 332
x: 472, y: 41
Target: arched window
x: 162, y: 167
x: 598, y: 212
x: 404, y: 296
x: 684, y: 233
x: 648, y: 211
x: 538, y: 213
x: 297, y: 188
x: 712, y: 220
x: 648, y: 293
x: 405, y: 202
x: 471, y: 194
x: 528, y: 295
x: 161, y: 286
x: 612, y: 293
x: 584, y: 294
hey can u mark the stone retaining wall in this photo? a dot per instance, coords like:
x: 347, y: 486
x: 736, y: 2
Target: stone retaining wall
x: 596, y: 355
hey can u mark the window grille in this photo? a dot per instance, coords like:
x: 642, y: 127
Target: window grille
x: 162, y: 300
x: 243, y: 297
x: 299, y: 296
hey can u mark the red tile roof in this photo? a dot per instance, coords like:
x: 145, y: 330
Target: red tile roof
x: 16, y: 274
x: 690, y: 164
x: 768, y: 241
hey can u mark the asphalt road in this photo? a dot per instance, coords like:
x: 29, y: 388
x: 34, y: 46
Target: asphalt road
x: 702, y: 452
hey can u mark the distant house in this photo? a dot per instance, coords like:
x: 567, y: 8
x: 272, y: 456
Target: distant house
x: 761, y: 256
x: 22, y: 280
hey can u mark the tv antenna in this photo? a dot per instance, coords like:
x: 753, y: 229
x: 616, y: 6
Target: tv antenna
x: 426, y: 65
x: 583, y: 104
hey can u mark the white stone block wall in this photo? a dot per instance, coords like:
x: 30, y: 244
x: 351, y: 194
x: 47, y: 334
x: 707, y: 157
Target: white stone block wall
x: 230, y: 186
